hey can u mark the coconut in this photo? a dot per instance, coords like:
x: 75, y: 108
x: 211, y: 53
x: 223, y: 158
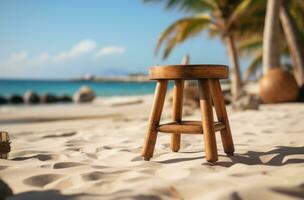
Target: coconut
x: 278, y: 86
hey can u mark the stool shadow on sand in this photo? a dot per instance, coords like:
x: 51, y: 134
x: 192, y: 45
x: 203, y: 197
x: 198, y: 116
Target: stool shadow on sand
x: 279, y: 158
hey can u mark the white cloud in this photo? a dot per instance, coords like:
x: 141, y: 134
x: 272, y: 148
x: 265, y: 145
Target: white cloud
x: 22, y: 58
x: 83, y: 47
x: 18, y: 57
x: 43, y: 57
x: 24, y: 62
x: 110, y: 50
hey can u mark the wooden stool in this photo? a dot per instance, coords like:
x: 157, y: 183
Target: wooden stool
x: 209, y: 89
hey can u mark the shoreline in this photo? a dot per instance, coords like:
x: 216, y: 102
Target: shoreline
x: 110, y: 79
x: 29, y: 113
x: 69, y: 88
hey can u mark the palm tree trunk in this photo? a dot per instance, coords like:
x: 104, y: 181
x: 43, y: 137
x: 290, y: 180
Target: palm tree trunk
x: 236, y: 81
x: 295, y: 46
x: 271, y: 53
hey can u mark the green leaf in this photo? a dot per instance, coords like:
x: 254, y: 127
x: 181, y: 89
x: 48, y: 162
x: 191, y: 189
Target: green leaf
x: 182, y: 30
x: 250, y: 45
x: 239, y: 11
x: 186, y: 5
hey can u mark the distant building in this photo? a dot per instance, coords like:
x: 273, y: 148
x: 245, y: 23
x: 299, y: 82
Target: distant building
x: 138, y: 77
x: 88, y: 77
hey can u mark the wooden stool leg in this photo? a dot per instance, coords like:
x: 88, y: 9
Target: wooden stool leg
x: 177, y: 112
x: 207, y: 120
x: 220, y: 108
x: 157, y: 107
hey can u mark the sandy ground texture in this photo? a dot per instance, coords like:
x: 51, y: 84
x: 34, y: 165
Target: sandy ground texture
x: 92, y: 151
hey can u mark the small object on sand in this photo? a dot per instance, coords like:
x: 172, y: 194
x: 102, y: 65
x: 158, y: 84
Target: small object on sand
x: 84, y: 94
x: 301, y: 94
x: 5, y: 146
x: 209, y: 90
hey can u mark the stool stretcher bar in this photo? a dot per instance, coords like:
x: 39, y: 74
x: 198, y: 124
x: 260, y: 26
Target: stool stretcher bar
x: 187, y: 127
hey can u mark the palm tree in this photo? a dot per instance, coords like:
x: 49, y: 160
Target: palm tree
x: 294, y: 42
x: 290, y: 44
x: 276, y: 85
x: 226, y: 18
x: 271, y: 53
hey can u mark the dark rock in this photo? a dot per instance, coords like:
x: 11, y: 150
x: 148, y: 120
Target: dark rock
x: 5, y: 190
x: 84, y: 94
x: 227, y: 97
x: 191, y: 97
x: 65, y: 99
x: 16, y: 99
x: 31, y: 97
x: 301, y: 94
x: 3, y: 100
x: 48, y: 98
x: 191, y: 94
x: 247, y: 102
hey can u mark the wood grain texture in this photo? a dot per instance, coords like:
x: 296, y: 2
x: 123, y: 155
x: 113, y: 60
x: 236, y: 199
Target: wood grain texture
x: 187, y: 127
x: 207, y: 120
x: 177, y: 112
x: 220, y: 108
x: 157, y: 107
x: 188, y: 72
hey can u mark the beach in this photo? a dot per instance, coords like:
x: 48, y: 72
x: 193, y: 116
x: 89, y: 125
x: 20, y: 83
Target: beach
x: 77, y: 115
x: 93, y: 151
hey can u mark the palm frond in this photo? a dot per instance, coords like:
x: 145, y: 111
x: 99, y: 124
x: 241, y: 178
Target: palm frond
x: 181, y: 30
x: 213, y: 30
x: 186, y: 5
x: 248, y: 22
x: 250, y: 45
x: 239, y: 11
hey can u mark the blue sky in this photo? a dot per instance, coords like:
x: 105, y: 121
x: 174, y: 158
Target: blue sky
x: 65, y: 39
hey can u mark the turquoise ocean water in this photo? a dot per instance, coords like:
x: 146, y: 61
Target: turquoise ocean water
x: 9, y: 87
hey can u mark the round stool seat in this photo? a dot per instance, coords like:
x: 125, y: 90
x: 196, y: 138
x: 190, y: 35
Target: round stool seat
x: 188, y: 72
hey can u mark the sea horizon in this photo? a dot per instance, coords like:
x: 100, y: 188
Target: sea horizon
x: 60, y: 87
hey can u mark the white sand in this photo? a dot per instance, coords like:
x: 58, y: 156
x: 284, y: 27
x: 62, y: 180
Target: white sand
x: 93, y: 152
